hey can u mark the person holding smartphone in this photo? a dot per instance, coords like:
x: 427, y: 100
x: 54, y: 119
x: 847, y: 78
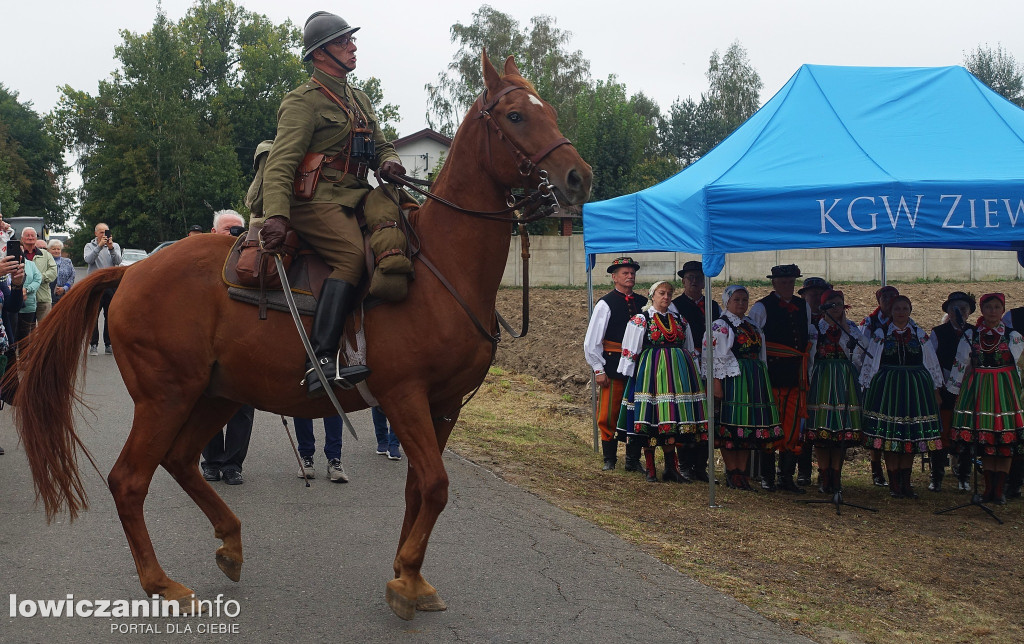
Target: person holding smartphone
x: 102, y: 252
x: 11, y: 299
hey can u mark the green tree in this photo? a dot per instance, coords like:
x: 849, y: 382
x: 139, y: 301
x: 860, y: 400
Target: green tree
x: 162, y: 144
x: 33, y: 174
x: 541, y: 53
x: 998, y: 69
x: 387, y: 113
x: 693, y: 128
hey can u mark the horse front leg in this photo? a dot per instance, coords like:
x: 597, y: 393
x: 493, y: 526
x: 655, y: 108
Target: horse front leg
x: 426, y: 497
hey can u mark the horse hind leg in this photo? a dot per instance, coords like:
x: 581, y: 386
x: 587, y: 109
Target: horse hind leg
x: 181, y: 461
x: 154, y: 430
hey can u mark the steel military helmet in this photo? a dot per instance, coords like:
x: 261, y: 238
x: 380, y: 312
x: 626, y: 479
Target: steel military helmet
x: 321, y: 28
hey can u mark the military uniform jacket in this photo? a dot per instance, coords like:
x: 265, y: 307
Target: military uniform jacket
x: 309, y: 121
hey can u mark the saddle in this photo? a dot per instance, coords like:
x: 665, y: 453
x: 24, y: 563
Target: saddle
x: 251, y: 275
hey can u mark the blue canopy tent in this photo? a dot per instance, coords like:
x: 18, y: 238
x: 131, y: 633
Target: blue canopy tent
x: 840, y: 157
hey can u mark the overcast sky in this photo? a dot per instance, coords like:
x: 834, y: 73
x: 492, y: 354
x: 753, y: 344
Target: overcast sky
x: 660, y: 48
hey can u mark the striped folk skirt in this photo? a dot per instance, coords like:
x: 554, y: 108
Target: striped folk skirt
x: 988, y: 413
x: 833, y: 405
x: 900, y: 411
x: 749, y: 418
x: 664, y: 400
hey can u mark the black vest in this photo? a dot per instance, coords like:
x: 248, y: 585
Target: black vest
x: 1017, y: 319
x: 948, y: 341
x: 790, y: 329
x: 694, y: 318
x: 621, y: 312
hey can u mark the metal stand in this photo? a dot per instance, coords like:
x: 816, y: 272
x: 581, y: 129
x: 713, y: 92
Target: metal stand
x: 975, y: 497
x: 836, y: 500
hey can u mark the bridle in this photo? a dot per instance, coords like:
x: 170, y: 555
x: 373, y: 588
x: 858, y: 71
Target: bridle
x: 527, y: 165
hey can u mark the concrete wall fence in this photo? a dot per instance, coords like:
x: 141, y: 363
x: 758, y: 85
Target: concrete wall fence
x: 560, y: 261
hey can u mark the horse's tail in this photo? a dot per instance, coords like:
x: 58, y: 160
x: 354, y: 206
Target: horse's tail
x: 45, y: 376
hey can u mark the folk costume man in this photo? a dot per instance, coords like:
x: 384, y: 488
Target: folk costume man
x: 602, y: 349
x: 811, y: 292
x: 785, y: 319
x: 328, y: 116
x: 945, y: 340
x: 1014, y: 318
x: 693, y: 459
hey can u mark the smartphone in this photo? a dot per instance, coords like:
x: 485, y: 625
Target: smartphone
x: 14, y: 250
x: 106, y: 233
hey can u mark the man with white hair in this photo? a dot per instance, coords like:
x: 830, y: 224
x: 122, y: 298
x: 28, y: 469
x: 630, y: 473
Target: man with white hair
x: 102, y: 252
x: 223, y: 455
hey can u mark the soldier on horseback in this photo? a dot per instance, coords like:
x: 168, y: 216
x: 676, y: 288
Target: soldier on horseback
x: 315, y: 178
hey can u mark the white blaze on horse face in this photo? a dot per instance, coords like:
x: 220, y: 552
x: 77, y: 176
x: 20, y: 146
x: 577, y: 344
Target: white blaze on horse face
x: 536, y: 101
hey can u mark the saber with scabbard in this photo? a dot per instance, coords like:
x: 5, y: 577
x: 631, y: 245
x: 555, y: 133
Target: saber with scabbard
x: 309, y: 348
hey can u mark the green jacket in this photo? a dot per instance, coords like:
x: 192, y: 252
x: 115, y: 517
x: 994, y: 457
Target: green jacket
x: 48, y: 269
x: 308, y: 121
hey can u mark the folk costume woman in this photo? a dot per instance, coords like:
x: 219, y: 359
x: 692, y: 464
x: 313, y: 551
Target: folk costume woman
x: 664, y: 398
x: 749, y: 418
x: 834, y: 399
x: 878, y: 319
x: 988, y: 419
x: 901, y: 410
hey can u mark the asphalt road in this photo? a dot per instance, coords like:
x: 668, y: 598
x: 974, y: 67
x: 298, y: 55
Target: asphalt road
x: 511, y: 567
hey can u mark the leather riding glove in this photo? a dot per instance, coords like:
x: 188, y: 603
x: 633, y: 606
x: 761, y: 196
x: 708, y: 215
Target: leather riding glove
x: 273, y: 233
x: 391, y: 169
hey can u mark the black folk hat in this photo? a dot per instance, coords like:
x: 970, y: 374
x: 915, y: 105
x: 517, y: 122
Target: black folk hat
x: 785, y: 270
x: 815, y: 282
x: 959, y: 296
x: 196, y: 228
x: 619, y: 262
x: 689, y: 267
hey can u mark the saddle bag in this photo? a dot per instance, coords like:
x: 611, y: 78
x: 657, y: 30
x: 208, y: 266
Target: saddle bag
x: 256, y: 268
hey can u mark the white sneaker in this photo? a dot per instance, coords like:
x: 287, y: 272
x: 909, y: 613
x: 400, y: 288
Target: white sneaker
x: 336, y: 471
x: 307, y: 471
x: 94, y: 350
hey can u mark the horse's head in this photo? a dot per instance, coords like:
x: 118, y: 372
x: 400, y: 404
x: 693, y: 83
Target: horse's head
x: 523, y: 138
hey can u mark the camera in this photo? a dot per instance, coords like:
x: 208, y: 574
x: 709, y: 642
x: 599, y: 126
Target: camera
x: 14, y: 250
x: 236, y: 231
x: 106, y: 233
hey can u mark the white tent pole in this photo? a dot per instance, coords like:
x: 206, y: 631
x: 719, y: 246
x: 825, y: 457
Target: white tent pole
x: 593, y: 379
x: 709, y: 393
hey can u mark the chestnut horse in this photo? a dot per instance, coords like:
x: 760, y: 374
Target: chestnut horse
x: 190, y: 356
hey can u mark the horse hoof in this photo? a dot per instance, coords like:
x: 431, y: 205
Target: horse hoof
x: 230, y: 567
x: 431, y: 602
x: 403, y: 607
x: 186, y: 599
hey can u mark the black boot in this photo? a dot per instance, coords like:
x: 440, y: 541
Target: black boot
x: 767, y: 469
x: 990, y: 486
x: 652, y: 471
x: 336, y: 299
x: 963, y: 472
x: 825, y: 481
x: 938, y: 459
x: 608, y: 449
x: 633, y: 448
x: 1015, y: 479
x: 804, y: 464
x: 876, y: 474
x: 787, y: 468
x: 697, y: 458
x: 999, y: 482
x: 908, y: 489
x: 895, y: 484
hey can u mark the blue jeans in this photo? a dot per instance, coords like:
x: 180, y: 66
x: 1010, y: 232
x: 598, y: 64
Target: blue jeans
x: 385, y: 437
x: 332, y: 437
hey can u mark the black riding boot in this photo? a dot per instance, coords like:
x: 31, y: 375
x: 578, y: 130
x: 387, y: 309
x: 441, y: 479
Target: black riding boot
x: 1015, y: 479
x: 767, y: 469
x: 804, y: 464
x: 633, y: 448
x: 608, y: 449
x: 938, y: 459
x: 787, y: 469
x: 335, y: 303
x: 877, y: 477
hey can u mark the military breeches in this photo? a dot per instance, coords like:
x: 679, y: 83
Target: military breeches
x: 608, y: 407
x: 333, y: 231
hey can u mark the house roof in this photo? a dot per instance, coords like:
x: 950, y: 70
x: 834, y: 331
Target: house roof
x: 425, y: 133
